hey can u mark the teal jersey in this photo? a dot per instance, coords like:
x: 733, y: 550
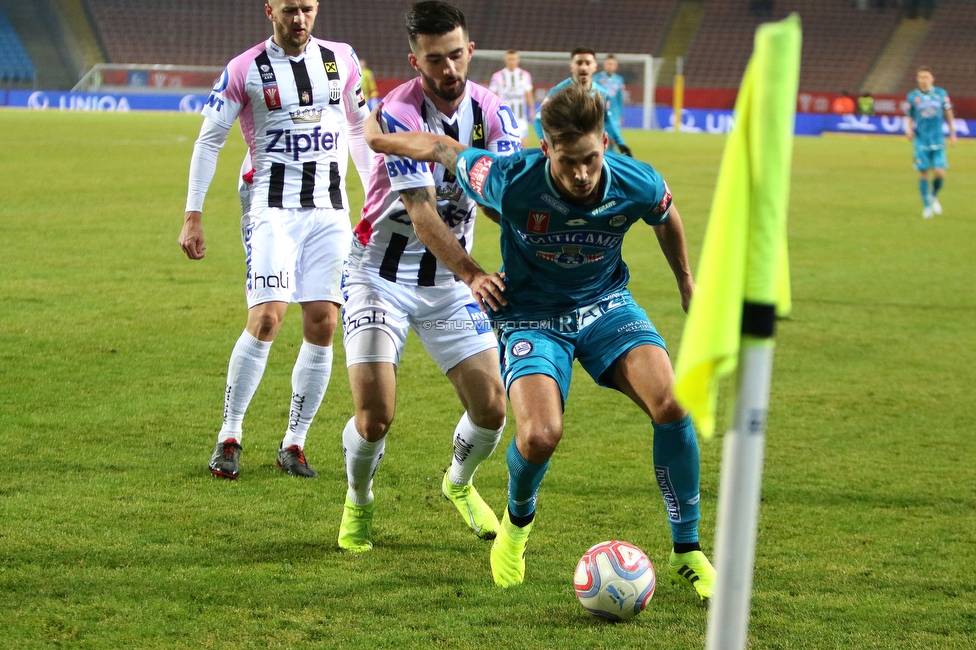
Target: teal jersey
x: 558, y: 256
x: 926, y: 110
x: 609, y: 123
x: 614, y: 84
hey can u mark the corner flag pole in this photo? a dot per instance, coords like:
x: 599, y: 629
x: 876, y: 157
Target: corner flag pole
x: 743, y: 285
x: 769, y: 128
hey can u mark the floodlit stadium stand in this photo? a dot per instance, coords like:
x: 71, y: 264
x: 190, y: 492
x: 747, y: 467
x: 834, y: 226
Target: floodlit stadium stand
x: 949, y: 49
x: 840, y: 43
x: 15, y: 64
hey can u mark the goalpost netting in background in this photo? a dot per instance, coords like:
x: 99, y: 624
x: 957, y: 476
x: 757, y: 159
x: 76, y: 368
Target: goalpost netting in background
x: 549, y: 68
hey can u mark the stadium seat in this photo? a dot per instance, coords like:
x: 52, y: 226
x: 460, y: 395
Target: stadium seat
x: 15, y: 64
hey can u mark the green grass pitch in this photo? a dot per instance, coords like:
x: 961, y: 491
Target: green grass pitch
x: 113, y: 353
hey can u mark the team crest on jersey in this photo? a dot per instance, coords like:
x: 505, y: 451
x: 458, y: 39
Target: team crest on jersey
x: 538, y: 222
x: 479, y: 174
x: 335, y: 89
x: 570, y: 257
x: 307, y: 116
x: 665, y: 203
x: 271, y: 97
x: 617, y: 220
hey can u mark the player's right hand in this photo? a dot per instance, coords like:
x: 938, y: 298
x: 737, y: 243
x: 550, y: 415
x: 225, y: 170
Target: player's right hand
x: 487, y: 290
x: 191, y: 237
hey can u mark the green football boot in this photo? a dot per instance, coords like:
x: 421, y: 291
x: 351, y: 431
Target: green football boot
x: 472, y: 507
x: 694, y: 569
x: 356, y: 529
x: 508, y: 553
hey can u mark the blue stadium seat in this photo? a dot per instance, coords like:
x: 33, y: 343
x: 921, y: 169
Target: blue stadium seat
x: 16, y: 64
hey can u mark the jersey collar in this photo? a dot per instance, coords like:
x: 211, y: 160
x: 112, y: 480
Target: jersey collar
x: 277, y: 52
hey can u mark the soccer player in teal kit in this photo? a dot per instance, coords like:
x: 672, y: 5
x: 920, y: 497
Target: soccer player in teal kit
x: 927, y: 106
x: 562, y: 294
x: 582, y: 68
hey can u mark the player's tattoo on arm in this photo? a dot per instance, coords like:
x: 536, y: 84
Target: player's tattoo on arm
x: 447, y: 154
x: 418, y: 195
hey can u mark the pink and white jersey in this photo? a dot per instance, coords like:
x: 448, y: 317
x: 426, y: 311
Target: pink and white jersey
x: 511, y: 86
x: 385, y: 242
x: 294, y: 113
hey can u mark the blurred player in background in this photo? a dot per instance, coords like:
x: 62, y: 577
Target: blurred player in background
x: 370, y: 90
x: 928, y: 105
x: 616, y: 90
x: 396, y: 283
x: 514, y: 86
x: 301, y: 110
x: 564, y: 212
x: 582, y: 67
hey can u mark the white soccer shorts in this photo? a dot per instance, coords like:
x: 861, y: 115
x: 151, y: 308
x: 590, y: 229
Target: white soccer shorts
x: 295, y: 255
x: 378, y: 313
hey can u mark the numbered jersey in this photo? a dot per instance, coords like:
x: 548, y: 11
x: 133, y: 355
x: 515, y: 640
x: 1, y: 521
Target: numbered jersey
x: 385, y: 242
x: 511, y: 86
x: 293, y: 113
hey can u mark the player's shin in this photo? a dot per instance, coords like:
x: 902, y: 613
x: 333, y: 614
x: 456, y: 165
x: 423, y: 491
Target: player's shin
x: 244, y: 372
x: 676, y: 469
x: 923, y: 188
x: 362, y: 459
x: 309, y: 381
x: 472, y: 446
x: 524, y: 479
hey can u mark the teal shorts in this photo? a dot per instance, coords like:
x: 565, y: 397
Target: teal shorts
x: 927, y: 158
x: 598, y: 335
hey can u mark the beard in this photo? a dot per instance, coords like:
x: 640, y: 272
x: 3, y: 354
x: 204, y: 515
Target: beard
x: 447, y: 94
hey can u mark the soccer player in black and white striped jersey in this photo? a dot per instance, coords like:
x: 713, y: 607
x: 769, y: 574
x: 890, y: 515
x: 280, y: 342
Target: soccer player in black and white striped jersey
x: 514, y: 86
x: 301, y: 110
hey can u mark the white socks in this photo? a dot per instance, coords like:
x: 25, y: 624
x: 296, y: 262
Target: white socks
x: 244, y: 371
x: 362, y: 459
x: 309, y: 380
x: 472, y: 446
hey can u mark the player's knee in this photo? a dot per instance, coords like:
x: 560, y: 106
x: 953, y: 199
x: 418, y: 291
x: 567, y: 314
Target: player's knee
x: 489, y: 412
x: 373, y: 424
x: 540, y: 441
x: 264, y: 324
x: 319, y: 326
x: 666, y: 410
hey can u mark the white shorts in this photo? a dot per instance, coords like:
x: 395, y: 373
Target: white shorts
x: 379, y: 312
x: 295, y: 255
x: 525, y: 126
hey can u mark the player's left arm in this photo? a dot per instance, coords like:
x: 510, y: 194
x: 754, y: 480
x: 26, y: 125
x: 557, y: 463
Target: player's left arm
x: 951, y: 119
x: 416, y: 145
x: 356, y: 115
x: 671, y: 237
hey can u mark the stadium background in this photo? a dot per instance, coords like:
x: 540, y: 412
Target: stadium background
x: 853, y: 45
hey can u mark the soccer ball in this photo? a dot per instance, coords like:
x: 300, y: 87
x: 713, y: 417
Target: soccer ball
x: 614, y: 580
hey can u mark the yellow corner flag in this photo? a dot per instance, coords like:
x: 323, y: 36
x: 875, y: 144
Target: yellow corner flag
x: 744, y: 255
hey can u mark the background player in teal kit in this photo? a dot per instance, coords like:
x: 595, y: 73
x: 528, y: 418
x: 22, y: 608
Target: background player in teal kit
x: 616, y: 90
x: 582, y: 67
x: 927, y: 106
x: 562, y: 294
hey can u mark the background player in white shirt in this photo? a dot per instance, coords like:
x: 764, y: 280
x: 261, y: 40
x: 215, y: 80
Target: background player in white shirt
x: 514, y: 86
x: 395, y: 282
x: 301, y: 110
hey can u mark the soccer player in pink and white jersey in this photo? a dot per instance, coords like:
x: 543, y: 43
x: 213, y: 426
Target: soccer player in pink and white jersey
x: 301, y: 110
x: 514, y: 86
x: 396, y: 283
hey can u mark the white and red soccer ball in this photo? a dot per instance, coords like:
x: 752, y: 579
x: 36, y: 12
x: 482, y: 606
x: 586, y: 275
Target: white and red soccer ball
x: 614, y: 580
